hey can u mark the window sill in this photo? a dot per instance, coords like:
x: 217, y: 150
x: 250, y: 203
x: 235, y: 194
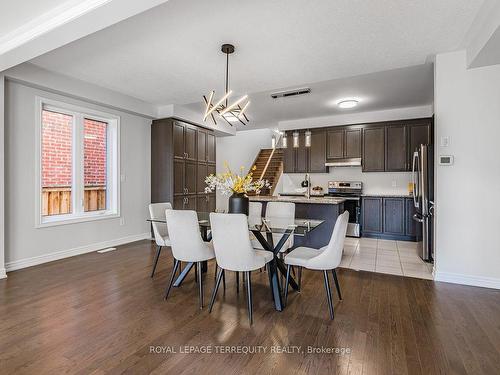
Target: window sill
x: 60, y: 220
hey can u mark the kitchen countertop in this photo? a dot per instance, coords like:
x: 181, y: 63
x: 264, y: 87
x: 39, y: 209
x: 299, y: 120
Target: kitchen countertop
x: 312, y: 200
x: 383, y: 195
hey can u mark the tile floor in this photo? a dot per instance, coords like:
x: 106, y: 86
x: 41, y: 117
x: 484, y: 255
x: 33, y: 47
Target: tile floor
x: 384, y: 256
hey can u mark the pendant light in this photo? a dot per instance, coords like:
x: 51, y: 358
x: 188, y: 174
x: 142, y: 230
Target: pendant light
x: 234, y: 112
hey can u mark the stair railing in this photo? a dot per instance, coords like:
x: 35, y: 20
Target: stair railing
x: 270, y: 157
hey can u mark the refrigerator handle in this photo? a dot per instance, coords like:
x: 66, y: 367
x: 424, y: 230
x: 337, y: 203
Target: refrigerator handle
x: 415, y: 180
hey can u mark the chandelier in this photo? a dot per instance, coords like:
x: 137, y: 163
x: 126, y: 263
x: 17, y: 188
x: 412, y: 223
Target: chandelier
x: 234, y: 112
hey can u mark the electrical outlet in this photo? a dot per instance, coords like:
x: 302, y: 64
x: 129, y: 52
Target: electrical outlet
x: 122, y: 221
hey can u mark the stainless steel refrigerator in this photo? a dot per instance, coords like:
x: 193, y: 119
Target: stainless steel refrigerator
x: 423, y: 198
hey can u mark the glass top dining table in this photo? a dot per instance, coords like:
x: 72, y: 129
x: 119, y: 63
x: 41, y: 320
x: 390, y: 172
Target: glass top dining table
x: 266, y: 230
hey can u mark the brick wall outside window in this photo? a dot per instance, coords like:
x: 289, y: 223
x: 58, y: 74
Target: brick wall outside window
x: 57, y: 151
x: 95, y: 153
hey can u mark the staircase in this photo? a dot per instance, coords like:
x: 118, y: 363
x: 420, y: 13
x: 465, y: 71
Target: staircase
x: 269, y: 167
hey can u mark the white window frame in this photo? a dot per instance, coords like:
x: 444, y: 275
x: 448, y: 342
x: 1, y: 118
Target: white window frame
x: 77, y: 189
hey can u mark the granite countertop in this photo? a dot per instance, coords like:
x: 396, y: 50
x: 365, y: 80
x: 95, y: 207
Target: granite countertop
x: 312, y: 200
x: 388, y: 195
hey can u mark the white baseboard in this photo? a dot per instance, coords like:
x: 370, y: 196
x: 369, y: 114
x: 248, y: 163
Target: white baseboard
x: 3, y: 273
x: 29, y: 262
x: 455, y: 278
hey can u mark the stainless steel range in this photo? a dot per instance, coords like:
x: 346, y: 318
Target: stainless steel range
x: 351, y: 191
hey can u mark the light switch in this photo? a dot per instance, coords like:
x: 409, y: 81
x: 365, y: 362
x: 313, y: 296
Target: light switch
x: 122, y: 178
x: 445, y: 141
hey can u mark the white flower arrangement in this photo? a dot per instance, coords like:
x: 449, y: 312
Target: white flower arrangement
x: 229, y: 183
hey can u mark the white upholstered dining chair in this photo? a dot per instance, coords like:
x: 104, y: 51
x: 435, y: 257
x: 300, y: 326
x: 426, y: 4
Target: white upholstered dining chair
x: 160, y: 231
x: 234, y: 251
x: 325, y: 259
x: 187, y: 245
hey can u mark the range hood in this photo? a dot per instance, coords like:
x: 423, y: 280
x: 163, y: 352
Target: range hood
x: 347, y: 162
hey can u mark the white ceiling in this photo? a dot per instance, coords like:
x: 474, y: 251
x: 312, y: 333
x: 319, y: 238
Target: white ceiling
x: 171, y: 53
x: 16, y: 13
x: 399, y: 88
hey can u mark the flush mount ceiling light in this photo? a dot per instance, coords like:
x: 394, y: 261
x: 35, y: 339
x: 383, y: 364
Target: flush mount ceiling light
x: 229, y: 112
x: 347, y: 103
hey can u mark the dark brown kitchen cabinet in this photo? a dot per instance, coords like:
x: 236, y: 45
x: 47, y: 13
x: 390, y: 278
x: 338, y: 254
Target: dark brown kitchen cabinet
x: 335, y: 144
x: 396, y: 155
x: 419, y: 133
x: 289, y: 155
x: 178, y: 202
x: 372, y: 212
x: 352, y: 147
x: 211, y: 203
x: 394, y: 213
x: 205, y: 203
x: 190, y: 137
x: 412, y: 228
x: 317, y: 152
x: 389, y: 218
x: 190, y: 177
x: 201, y: 174
x: 302, y: 155
x: 296, y: 159
x: 210, y: 147
x: 374, y: 149
x: 178, y: 140
x: 182, y: 155
x: 179, y: 180
x: 201, y: 143
x: 202, y: 203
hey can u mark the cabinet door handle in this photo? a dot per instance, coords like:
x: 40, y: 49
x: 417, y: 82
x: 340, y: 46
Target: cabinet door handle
x: 187, y: 191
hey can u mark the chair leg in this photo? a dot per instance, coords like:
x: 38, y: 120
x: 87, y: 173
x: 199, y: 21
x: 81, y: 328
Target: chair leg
x: 224, y: 279
x: 286, y: 282
x: 200, y: 285
x: 237, y: 282
x: 220, y: 272
x: 180, y: 268
x: 249, y: 297
x: 172, y: 278
x: 300, y: 277
x: 196, y: 272
x: 158, y: 251
x: 328, y: 293
x: 337, y: 285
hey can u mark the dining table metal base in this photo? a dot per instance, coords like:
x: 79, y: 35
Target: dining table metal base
x: 276, y: 265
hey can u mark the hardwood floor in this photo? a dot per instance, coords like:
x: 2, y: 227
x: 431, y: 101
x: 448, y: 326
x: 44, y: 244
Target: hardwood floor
x: 102, y: 313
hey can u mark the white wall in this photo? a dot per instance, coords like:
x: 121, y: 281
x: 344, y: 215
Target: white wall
x: 2, y: 179
x: 373, y: 182
x: 26, y: 245
x: 467, y: 104
x: 240, y: 151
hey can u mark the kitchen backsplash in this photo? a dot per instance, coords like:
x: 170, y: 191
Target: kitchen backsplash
x: 373, y: 182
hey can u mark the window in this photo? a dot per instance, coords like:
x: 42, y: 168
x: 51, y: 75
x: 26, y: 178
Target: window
x: 78, y: 164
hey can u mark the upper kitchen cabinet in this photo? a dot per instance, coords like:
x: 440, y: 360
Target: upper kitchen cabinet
x: 343, y: 143
x: 335, y: 144
x: 352, y: 147
x: 184, y: 140
x: 289, y: 155
x: 302, y: 159
x: 317, y: 152
x: 396, y: 159
x: 419, y: 132
x: 374, y: 149
x: 210, y: 147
